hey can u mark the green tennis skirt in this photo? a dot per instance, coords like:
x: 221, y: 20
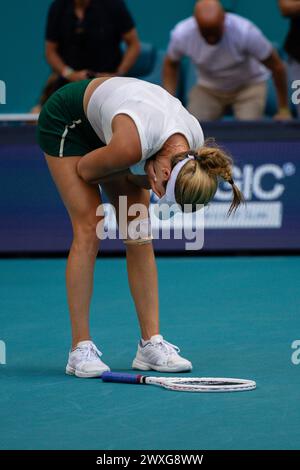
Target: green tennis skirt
x: 63, y: 128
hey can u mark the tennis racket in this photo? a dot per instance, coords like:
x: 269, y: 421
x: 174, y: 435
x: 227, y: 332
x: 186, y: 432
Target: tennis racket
x: 182, y: 384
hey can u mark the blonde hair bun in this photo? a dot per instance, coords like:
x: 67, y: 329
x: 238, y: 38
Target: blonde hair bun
x: 197, y: 182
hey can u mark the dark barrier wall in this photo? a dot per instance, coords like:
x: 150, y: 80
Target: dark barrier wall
x: 267, y: 158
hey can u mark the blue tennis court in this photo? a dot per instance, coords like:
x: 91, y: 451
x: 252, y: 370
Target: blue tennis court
x: 137, y: 133
x: 235, y: 317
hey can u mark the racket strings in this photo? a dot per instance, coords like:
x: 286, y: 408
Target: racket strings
x: 203, y: 384
x: 199, y: 388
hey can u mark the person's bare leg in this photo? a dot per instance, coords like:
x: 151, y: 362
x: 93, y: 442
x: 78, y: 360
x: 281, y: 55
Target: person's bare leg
x: 81, y: 201
x: 141, y: 266
x: 142, y: 275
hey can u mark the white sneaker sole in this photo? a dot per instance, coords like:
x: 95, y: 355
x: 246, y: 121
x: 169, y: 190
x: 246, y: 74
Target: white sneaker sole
x: 85, y: 375
x: 140, y: 365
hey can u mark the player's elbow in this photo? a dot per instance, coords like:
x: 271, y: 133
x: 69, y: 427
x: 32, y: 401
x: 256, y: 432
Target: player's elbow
x: 84, y: 172
x: 88, y: 179
x: 85, y: 176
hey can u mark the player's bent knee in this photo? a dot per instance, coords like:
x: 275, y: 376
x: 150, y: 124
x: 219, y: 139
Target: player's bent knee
x: 85, y: 236
x: 84, y: 245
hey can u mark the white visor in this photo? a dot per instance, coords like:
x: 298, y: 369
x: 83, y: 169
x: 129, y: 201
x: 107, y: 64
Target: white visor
x: 168, y: 201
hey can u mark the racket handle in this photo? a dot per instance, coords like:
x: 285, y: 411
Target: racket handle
x: 118, y: 377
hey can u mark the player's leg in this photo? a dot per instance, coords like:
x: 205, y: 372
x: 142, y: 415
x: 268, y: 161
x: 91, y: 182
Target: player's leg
x: 81, y: 201
x: 205, y: 105
x: 153, y: 351
x: 141, y: 266
x: 249, y: 103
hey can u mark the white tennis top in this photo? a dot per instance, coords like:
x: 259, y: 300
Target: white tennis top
x: 232, y: 63
x: 156, y: 114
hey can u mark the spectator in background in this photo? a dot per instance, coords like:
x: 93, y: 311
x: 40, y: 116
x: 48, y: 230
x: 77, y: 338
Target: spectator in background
x: 83, y: 40
x: 232, y: 56
x: 291, y: 9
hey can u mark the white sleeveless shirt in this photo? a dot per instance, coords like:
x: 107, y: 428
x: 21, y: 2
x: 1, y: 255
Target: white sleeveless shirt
x: 156, y: 114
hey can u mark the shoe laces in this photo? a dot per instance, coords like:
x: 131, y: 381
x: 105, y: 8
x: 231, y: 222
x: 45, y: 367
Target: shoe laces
x: 89, y: 352
x: 166, y: 347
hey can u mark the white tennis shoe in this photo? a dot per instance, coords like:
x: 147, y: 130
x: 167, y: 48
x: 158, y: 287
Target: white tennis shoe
x: 85, y: 362
x: 157, y: 354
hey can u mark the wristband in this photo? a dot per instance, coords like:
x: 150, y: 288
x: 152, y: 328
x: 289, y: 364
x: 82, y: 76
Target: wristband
x: 67, y: 71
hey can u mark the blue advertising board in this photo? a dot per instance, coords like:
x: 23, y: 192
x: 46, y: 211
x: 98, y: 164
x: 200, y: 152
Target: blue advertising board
x: 267, y: 169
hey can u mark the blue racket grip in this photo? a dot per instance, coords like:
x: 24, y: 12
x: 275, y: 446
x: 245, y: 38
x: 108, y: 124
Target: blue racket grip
x: 118, y: 377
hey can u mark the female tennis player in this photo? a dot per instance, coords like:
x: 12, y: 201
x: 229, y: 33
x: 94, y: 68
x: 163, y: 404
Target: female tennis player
x: 128, y: 136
